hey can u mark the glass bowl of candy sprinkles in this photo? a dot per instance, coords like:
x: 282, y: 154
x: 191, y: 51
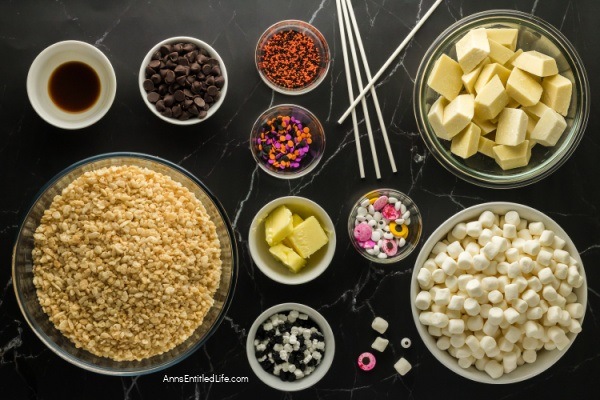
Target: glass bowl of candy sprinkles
x: 287, y: 141
x: 385, y: 226
x: 292, y: 57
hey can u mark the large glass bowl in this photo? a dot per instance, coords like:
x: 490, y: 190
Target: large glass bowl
x: 22, y: 268
x: 534, y: 34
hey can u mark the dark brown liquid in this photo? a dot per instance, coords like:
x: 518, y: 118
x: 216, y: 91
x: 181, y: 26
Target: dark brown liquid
x: 74, y: 86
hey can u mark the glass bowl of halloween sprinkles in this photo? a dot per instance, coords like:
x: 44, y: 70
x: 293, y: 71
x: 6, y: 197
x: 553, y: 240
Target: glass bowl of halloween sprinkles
x: 287, y: 141
x: 292, y: 57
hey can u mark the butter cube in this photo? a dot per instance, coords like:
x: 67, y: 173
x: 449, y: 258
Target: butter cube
x: 486, y: 146
x: 510, y: 63
x: 537, y: 111
x: 523, y: 88
x: 472, y: 49
x: 458, y: 114
x: 308, y: 237
x: 296, y: 220
x: 512, y: 127
x: 549, y: 128
x: 288, y: 257
x: 536, y: 63
x: 505, y: 36
x: 491, y: 99
x: 485, y: 125
x: 466, y: 143
x: 436, y: 118
x: 509, y: 157
x: 278, y: 225
x: 445, y: 77
x: 488, y: 72
x: 498, y: 53
x: 469, y: 79
x: 557, y: 93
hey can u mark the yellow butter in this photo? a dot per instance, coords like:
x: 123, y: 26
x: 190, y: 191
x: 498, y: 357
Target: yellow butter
x: 498, y: 53
x: 557, y: 93
x: 458, y: 114
x: 488, y: 72
x: 505, y: 36
x: 549, y: 128
x: 466, y: 143
x: 472, y: 49
x: 436, y: 118
x: 278, y: 225
x: 308, y: 237
x: 486, y: 146
x: 288, y: 257
x: 296, y: 220
x: 446, y: 77
x: 536, y: 63
x: 491, y: 99
x: 523, y: 88
x: 509, y: 157
x: 512, y: 127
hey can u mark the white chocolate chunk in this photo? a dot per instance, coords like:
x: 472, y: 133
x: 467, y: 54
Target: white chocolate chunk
x: 485, y: 126
x: 446, y: 77
x: 488, y: 72
x: 472, y: 49
x: 509, y: 157
x: 458, y: 114
x: 470, y: 79
x: 512, y: 127
x: 491, y: 99
x: 499, y: 53
x: 536, y: 63
x: 466, y: 143
x: 505, y: 36
x: 549, y: 128
x: 557, y: 93
x: 523, y: 88
x: 486, y: 146
x: 436, y: 118
x: 537, y: 110
x: 509, y: 64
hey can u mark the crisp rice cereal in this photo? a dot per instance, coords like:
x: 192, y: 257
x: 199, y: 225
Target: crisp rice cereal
x: 126, y: 262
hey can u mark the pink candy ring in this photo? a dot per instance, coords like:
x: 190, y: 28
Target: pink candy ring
x: 390, y: 212
x: 390, y: 247
x: 366, y: 361
x: 380, y: 202
x: 362, y: 232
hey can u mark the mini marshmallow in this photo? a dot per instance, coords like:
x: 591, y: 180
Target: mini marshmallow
x: 518, y: 244
x: 472, y: 248
x: 489, y: 283
x: 439, y: 259
x: 511, y: 291
x: 561, y: 271
x: 524, y: 234
x: 562, y: 256
x: 511, y: 315
x: 465, y: 261
x: 434, y: 331
x: 502, y: 268
x: 502, y: 282
x: 513, y: 270
x: 454, y: 249
x: 485, y: 309
x: 449, y: 266
x: 512, y: 217
x: 474, y: 288
x: 425, y: 318
x: 456, y: 302
x: 543, y: 258
x: 438, y: 276
x: 379, y: 324
x: 575, y: 310
x: 533, y: 330
x: 513, y: 334
x: 423, y: 300
x: 546, y: 238
x: 532, y: 247
x: 505, y: 346
x: 487, y: 219
x: 546, y: 276
x: 549, y: 293
x: 496, y: 230
x: 480, y: 262
x: 475, y: 323
x: 481, y: 363
x: 424, y: 278
x: 520, y: 305
x: 571, y: 298
x: 495, y: 296
x: 534, y: 283
x: 463, y: 352
x: 565, y: 318
x: 521, y: 283
x: 472, y: 307
x: 531, y: 297
x: 430, y: 265
x: 488, y: 344
x: 509, y: 231
x: 509, y: 362
x: 443, y: 343
x: 442, y: 297
x: 474, y: 229
x: 574, y: 326
x: 451, y: 283
x: 495, y: 316
x: 463, y: 280
x: 529, y: 356
x: 553, y: 315
x: 439, y: 320
x: 465, y: 362
x: 491, y: 250
x: 526, y: 264
x: 536, y: 228
x: 457, y: 340
x: 565, y: 289
x: 456, y: 326
x: 512, y: 255
x: 380, y: 344
x: 535, y: 313
x: 440, y: 247
x: 485, y: 237
x: 459, y: 231
x: 558, y: 336
x: 402, y: 366
x: 558, y: 242
x: 501, y: 242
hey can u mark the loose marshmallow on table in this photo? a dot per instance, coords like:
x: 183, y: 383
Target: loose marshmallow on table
x: 379, y: 324
x: 402, y: 366
x: 380, y: 344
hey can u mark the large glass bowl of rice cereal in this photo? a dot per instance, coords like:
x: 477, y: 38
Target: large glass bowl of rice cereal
x: 125, y: 264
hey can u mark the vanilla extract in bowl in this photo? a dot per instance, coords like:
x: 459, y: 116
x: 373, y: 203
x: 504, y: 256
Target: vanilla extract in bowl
x: 74, y: 87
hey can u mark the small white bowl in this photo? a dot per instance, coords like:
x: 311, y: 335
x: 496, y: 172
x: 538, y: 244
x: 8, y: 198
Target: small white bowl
x: 545, y: 359
x: 212, y: 52
x: 319, y: 372
x: 47, y: 61
x: 259, y: 249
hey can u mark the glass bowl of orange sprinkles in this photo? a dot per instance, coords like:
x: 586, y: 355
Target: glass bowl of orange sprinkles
x: 292, y: 57
x: 287, y: 141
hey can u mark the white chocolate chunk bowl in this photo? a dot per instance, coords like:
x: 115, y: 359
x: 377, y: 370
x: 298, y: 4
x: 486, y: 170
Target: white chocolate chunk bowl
x: 544, y: 359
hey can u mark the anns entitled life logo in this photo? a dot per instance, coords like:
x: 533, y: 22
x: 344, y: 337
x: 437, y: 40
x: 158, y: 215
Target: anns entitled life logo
x: 211, y: 378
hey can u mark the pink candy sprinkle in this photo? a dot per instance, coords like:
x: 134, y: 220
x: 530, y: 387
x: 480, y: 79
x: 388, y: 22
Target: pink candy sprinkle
x: 362, y: 232
x: 366, y: 361
x: 390, y: 247
x: 380, y: 202
x: 369, y: 244
x: 390, y: 212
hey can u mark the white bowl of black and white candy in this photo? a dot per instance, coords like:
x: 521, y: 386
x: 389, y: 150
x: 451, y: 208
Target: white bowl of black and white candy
x: 290, y: 347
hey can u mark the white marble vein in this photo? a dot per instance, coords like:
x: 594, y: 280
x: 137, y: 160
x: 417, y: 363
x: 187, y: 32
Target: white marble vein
x: 314, y: 15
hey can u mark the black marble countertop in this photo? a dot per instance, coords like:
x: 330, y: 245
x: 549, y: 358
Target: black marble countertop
x: 352, y: 291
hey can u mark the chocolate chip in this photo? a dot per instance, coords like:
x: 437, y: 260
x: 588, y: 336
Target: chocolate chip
x: 163, y: 73
x: 193, y: 110
x: 210, y: 80
x: 213, y: 62
x: 208, y: 98
x: 187, y: 103
x: 181, y: 80
x: 178, y: 47
x: 170, y: 76
x: 199, y: 101
x: 160, y: 106
x: 168, y: 113
x: 153, y: 97
x: 156, y: 55
x: 154, y: 64
x: 176, y: 110
x: 165, y: 49
x: 188, y: 93
x: 183, y: 61
x: 169, y: 100
x: 195, y: 68
x: 196, y: 87
x: 187, y: 47
x: 150, y: 71
x: 148, y: 85
x: 202, y: 114
x: 216, y: 70
x: 212, y: 91
x: 179, y: 96
x: 206, y: 69
x: 163, y: 89
x: 173, y: 56
x: 202, y: 58
x: 191, y: 56
x: 170, y: 64
x: 219, y: 82
x: 155, y: 79
x: 190, y: 79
